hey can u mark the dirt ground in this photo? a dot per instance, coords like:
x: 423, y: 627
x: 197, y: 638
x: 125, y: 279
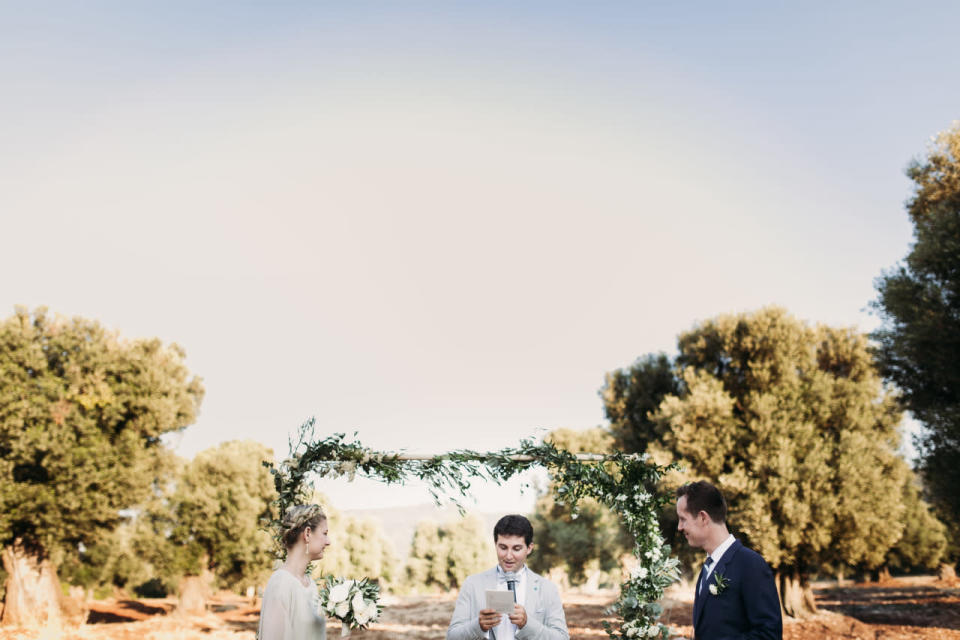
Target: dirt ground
x: 901, y: 609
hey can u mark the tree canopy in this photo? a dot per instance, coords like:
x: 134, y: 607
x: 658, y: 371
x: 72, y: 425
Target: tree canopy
x: 82, y: 412
x: 592, y: 540
x: 919, y: 303
x: 81, y: 416
x: 791, y: 422
x: 443, y: 555
x: 358, y: 547
x: 924, y: 541
x: 220, y: 498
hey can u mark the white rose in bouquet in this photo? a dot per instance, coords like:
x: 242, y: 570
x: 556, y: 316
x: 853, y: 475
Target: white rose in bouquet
x: 366, y: 614
x: 358, y: 603
x: 353, y: 602
x: 339, y: 593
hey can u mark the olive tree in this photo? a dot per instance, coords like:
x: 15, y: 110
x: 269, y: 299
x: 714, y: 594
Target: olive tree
x: 82, y: 411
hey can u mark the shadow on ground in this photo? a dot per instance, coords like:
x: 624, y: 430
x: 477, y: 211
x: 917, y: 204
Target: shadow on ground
x: 124, y: 611
x: 900, y: 603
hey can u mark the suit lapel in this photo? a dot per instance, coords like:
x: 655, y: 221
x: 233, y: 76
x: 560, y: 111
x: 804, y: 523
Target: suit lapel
x: 724, y: 561
x: 702, y: 596
x: 698, y: 600
x: 490, y: 582
x: 531, y: 594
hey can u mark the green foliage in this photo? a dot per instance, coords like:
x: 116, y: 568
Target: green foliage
x: 469, y: 546
x: 81, y: 416
x: 597, y: 440
x: 443, y: 555
x: 111, y: 562
x: 792, y: 423
x: 919, y: 303
x: 427, y: 564
x: 86, y: 569
x: 358, y: 547
x: 206, y: 520
x: 630, y: 397
x: 152, y: 588
x: 220, y: 498
x: 593, y: 538
x: 924, y: 540
x: 162, y: 542
x: 620, y: 481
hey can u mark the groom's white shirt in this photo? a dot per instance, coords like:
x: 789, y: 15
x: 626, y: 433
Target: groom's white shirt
x: 541, y: 600
x: 506, y: 630
x: 716, y: 555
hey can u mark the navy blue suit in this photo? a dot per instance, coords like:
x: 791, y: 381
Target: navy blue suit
x: 749, y: 607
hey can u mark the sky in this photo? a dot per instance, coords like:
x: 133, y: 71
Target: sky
x: 439, y: 225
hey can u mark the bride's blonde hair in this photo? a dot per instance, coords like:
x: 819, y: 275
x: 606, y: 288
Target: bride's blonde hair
x: 299, y: 518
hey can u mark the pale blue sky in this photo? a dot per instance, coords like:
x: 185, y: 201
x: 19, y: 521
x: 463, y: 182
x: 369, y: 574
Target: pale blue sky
x: 440, y: 224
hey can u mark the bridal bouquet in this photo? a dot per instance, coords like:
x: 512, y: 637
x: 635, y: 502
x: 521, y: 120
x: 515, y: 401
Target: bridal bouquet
x: 356, y: 603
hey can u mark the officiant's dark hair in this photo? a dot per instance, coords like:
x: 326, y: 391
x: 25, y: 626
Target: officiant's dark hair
x: 514, y: 525
x: 703, y: 496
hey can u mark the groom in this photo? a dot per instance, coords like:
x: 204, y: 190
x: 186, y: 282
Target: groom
x: 735, y: 596
x: 538, y: 612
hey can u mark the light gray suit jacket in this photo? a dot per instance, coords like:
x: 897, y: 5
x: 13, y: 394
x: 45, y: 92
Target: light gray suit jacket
x: 545, y: 619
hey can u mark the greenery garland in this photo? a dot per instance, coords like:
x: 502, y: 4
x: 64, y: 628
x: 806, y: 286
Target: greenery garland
x: 626, y: 483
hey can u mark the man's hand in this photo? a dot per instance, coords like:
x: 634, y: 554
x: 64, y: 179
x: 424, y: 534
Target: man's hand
x: 519, y: 616
x: 489, y: 618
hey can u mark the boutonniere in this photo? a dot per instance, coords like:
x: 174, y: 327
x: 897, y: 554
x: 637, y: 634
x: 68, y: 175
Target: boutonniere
x: 720, y: 583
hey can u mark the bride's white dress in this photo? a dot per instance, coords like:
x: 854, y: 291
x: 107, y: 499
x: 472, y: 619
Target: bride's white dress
x: 290, y: 610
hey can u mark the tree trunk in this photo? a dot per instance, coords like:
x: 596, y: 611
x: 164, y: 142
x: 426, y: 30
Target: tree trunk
x: 840, y: 576
x: 33, y: 590
x: 796, y: 594
x: 946, y: 573
x: 194, y: 592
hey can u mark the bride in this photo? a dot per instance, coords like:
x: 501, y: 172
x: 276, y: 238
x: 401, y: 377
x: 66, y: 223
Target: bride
x: 290, y: 609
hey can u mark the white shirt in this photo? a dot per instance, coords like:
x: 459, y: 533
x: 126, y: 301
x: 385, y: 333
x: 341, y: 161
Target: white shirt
x: 506, y: 630
x: 716, y: 555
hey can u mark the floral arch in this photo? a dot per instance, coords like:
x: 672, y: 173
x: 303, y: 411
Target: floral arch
x: 626, y: 483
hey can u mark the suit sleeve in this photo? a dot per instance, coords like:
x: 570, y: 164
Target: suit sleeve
x: 465, y: 623
x: 554, y: 626
x: 761, y: 603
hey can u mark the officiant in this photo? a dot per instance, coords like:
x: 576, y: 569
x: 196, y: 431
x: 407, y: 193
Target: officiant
x: 537, y: 612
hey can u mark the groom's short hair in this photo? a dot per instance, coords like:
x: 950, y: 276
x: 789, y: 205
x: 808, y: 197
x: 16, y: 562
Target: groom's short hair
x: 703, y: 496
x: 514, y: 525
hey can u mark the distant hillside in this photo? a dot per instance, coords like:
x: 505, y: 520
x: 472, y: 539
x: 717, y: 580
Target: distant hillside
x: 399, y: 523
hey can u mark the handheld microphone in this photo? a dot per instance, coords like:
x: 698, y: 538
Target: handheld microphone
x: 511, y: 579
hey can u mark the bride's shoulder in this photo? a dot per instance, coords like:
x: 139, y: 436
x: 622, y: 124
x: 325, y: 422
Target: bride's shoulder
x: 280, y: 579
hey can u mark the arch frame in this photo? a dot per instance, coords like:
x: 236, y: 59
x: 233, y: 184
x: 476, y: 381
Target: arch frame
x: 625, y: 483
